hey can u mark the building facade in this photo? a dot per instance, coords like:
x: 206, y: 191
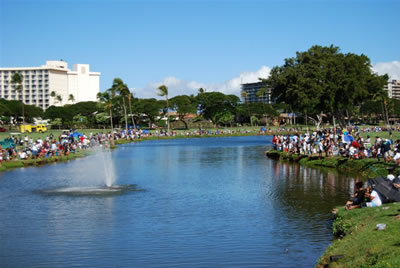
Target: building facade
x: 251, y: 90
x: 393, y: 89
x: 39, y: 83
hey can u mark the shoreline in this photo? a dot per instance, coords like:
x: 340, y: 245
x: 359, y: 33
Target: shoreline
x: 345, y: 225
x: 13, y: 164
x: 363, y: 168
x: 356, y: 240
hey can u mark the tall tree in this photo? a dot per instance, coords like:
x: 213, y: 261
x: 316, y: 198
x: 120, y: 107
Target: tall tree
x: 130, y: 98
x: 59, y: 98
x: 244, y: 95
x: 106, y: 99
x: 71, y: 98
x: 214, y: 105
x: 149, y: 107
x: 324, y: 81
x: 183, y: 105
x: 16, y: 80
x: 163, y: 91
x: 122, y: 89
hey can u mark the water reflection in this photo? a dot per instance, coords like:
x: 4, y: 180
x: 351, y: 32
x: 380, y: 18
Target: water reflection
x: 208, y: 202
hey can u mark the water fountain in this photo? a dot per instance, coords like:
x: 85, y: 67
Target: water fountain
x: 109, y: 171
x: 93, y: 180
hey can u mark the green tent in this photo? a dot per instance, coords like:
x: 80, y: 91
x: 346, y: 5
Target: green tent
x: 7, y: 143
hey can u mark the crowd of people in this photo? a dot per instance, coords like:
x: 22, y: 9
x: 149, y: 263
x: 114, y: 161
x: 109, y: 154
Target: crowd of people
x: 340, y: 142
x: 22, y: 147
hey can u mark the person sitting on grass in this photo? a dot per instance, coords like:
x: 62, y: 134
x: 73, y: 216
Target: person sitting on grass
x: 358, y: 197
x: 373, y: 196
x: 23, y: 155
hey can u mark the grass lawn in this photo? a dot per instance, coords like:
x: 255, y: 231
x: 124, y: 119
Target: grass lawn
x: 360, y: 243
x: 252, y: 130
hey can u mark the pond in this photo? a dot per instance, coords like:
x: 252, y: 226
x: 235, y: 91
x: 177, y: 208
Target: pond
x: 210, y: 202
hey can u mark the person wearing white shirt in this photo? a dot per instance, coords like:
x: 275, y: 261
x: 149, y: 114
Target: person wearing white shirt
x: 375, y: 199
x: 23, y: 155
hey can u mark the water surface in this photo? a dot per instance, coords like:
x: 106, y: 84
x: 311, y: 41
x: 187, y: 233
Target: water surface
x: 212, y: 202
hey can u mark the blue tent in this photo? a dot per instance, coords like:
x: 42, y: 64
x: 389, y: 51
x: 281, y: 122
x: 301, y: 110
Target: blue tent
x: 348, y: 138
x: 76, y: 134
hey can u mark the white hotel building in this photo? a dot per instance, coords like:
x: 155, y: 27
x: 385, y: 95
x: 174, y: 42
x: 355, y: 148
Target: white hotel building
x: 39, y: 82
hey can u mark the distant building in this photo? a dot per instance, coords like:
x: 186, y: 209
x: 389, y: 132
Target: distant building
x: 252, y: 88
x: 39, y: 82
x: 393, y: 89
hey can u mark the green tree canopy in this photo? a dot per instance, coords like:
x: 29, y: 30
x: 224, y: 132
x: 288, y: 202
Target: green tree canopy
x: 148, y: 107
x: 213, y: 105
x: 323, y: 80
x: 183, y: 105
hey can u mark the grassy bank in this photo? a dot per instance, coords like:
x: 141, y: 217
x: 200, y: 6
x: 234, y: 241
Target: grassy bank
x: 9, y: 165
x: 363, y: 168
x: 359, y: 243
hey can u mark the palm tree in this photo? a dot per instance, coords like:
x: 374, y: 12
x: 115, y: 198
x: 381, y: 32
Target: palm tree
x: 71, y: 98
x: 123, y: 90
x: 260, y: 94
x: 53, y: 95
x: 163, y: 91
x: 130, y: 96
x: 244, y: 95
x: 106, y: 99
x: 118, y: 87
x: 59, y: 98
x: 16, y: 80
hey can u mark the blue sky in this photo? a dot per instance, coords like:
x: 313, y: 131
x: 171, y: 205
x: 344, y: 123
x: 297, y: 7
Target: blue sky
x: 188, y: 44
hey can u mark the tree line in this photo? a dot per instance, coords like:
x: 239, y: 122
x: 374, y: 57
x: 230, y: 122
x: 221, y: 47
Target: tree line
x: 320, y: 84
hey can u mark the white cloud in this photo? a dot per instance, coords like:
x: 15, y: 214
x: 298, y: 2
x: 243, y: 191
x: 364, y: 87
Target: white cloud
x: 178, y: 86
x: 390, y: 68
